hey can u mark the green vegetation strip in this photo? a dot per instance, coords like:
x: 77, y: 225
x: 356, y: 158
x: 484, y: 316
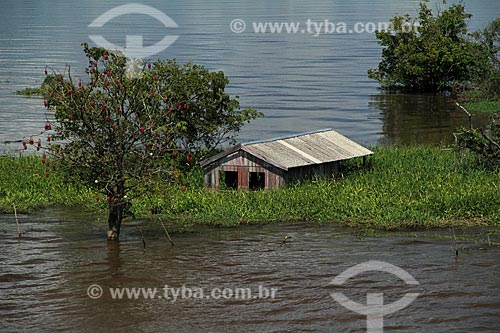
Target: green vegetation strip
x: 35, y: 91
x: 24, y: 182
x: 403, y: 188
x: 483, y: 107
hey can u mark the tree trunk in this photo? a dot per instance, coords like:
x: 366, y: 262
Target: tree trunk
x: 114, y: 221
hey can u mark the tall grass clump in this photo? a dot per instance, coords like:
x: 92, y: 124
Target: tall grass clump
x: 30, y: 185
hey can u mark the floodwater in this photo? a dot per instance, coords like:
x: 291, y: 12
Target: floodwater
x: 45, y: 276
x: 301, y: 82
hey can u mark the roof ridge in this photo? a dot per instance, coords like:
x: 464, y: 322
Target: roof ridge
x: 287, y: 137
x: 314, y: 147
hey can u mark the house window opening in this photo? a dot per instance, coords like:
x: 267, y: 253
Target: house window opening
x: 231, y: 180
x: 257, y: 180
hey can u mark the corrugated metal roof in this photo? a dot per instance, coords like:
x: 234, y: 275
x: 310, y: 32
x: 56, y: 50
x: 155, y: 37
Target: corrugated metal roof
x: 303, y: 149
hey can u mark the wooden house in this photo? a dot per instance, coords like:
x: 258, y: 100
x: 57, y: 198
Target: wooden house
x: 275, y: 162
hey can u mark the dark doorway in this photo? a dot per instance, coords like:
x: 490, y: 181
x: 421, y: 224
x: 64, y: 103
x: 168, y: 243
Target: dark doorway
x: 231, y: 179
x: 257, y: 180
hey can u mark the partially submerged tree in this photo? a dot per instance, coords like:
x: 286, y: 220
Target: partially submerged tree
x: 436, y: 57
x: 117, y: 131
x: 486, y: 84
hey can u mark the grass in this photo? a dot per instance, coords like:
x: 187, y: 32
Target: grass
x: 35, y: 91
x: 23, y: 182
x: 483, y: 106
x: 403, y: 188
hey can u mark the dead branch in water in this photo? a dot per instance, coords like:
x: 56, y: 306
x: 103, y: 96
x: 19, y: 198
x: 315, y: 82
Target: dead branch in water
x: 17, y: 222
x: 166, y: 232
x: 455, y: 243
x: 466, y: 112
x: 143, y: 240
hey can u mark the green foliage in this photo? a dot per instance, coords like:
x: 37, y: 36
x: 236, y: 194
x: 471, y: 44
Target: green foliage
x: 485, y: 144
x: 435, y: 58
x: 211, y: 116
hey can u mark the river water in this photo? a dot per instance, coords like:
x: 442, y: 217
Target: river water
x: 45, y: 276
x: 301, y: 82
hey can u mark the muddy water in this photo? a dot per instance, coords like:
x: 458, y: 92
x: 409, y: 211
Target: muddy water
x: 44, y: 279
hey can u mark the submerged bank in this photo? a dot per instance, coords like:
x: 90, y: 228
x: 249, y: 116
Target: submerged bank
x: 402, y: 188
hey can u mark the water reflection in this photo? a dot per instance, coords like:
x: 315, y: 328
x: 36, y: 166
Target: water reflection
x: 114, y: 260
x: 416, y: 119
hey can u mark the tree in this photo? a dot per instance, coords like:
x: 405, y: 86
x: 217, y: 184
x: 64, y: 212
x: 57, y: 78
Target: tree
x: 486, y: 84
x: 436, y: 57
x: 118, y: 131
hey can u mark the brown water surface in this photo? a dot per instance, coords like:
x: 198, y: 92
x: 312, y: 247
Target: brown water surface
x: 44, y: 278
